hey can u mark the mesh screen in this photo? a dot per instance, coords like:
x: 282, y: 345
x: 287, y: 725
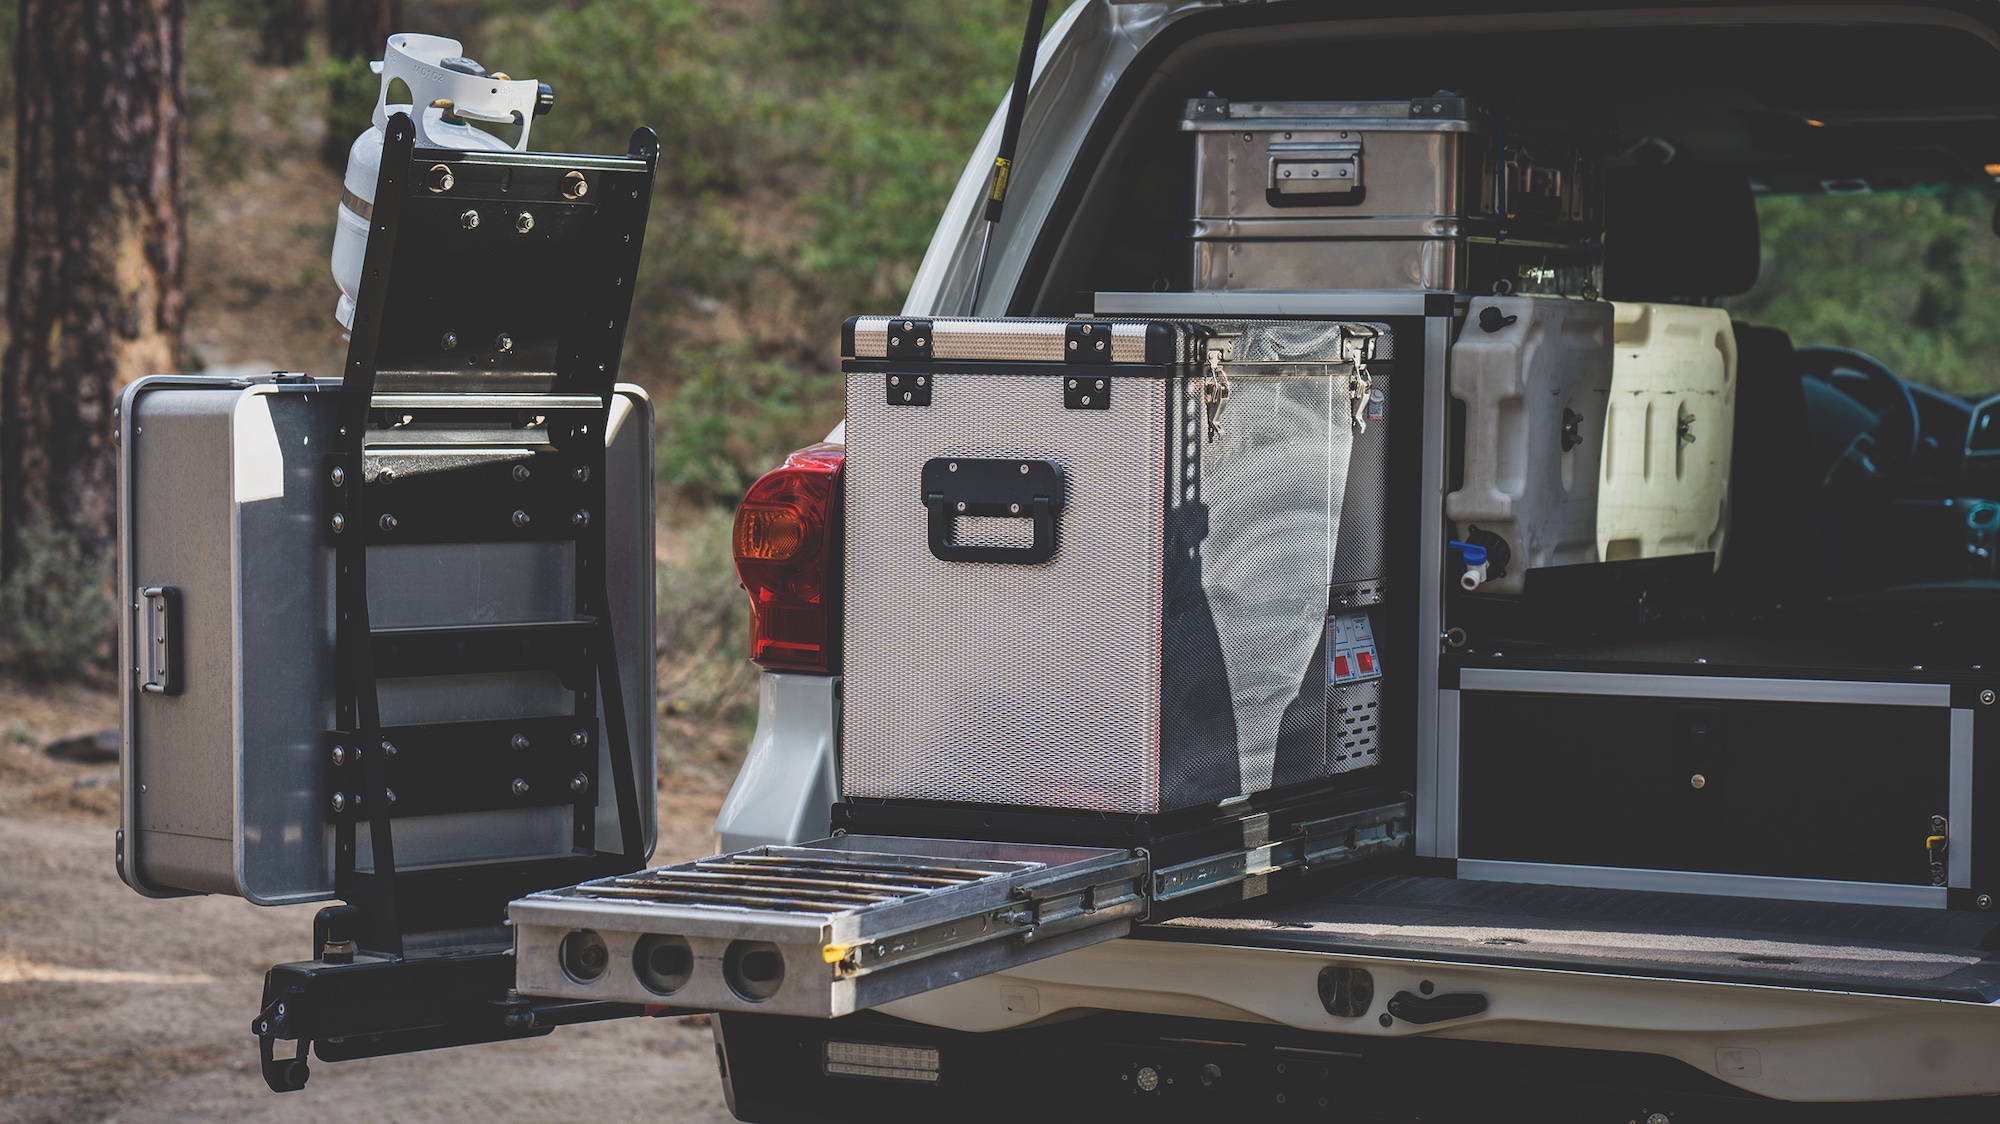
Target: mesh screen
x: 994, y: 683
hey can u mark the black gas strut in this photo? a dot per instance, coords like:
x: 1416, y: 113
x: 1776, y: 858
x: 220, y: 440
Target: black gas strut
x: 1010, y: 135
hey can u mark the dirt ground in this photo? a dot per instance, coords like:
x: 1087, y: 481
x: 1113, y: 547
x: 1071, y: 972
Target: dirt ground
x: 114, y: 1007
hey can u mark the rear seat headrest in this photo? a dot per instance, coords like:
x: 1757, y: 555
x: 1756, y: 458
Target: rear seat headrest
x: 1678, y: 231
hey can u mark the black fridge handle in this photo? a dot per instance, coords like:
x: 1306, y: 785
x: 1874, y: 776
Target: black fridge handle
x: 1003, y: 488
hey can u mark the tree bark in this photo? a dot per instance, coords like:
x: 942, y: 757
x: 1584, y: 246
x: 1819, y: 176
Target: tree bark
x: 95, y: 281
x: 286, y: 23
x: 356, y: 31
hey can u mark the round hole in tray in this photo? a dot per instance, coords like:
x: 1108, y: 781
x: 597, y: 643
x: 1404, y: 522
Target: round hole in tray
x: 754, y: 970
x: 584, y: 956
x: 664, y: 964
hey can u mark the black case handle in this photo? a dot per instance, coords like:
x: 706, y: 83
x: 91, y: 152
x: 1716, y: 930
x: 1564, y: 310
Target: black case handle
x: 1005, y: 488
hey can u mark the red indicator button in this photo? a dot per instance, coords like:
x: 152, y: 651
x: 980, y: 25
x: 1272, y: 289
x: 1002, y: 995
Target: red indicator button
x: 1340, y: 667
x: 1367, y: 661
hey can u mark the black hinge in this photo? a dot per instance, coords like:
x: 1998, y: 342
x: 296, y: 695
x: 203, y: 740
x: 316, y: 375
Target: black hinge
x: 909, y: 389
x: 1085, y: 342
x: 909, y: 339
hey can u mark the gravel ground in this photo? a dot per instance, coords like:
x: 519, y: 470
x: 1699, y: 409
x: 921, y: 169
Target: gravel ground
x: 114, y: 1007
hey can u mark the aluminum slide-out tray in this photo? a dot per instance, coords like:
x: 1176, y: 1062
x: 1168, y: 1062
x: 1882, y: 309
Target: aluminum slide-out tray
x: 823, y: 929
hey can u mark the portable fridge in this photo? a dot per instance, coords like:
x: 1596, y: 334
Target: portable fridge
x: 1120, y: 567
x: 1435, y: 194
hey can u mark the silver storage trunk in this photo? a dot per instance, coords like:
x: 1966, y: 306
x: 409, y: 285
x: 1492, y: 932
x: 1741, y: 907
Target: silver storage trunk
x: 1431, y: 194
x: 228, y: 637
x: 1090, y: 564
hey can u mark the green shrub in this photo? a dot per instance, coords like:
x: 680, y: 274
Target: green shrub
x: 56, y: 609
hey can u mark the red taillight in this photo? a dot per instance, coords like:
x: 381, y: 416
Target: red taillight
x: 785, y: 554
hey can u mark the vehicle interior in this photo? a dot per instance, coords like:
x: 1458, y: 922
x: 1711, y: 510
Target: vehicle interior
x: 1866, y: 451
x: 1831, y: 183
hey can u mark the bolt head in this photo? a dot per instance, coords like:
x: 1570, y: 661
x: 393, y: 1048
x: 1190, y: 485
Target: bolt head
x: 469, y: 220
x: 1987, y: 696
x: 581, y: 473
x: 522, y: 472
x: 1697, y: 781
x: 340, y: 755
x: 440, y: 179
x: 1938, y: 823
x: 338, y: 476
x: 520, y: 786
x: 503, y: 342
x: 340, y: 802
x: 387, y: 522
x: 524, y: 222
x: 390, y: 793
x: 448, y: 341
x: 579, y: 739
x: 520, y: 741
x: 578, y: 783
x: 388, y: 749
x: 575, y: 186
x: 581, y: 518
x: 339, y: 522
x: 1984, y: 901
x: 521, y: 519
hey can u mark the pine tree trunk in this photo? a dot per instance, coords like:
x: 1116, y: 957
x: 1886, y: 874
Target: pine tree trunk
x: 94, y: 294
x: 286, y: 23
x: 356, y: 31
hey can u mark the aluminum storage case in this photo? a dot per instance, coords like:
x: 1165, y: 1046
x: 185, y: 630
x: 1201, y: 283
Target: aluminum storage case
x: 1090, y: 564
x: 1433, y: 194
x: 228, y: 635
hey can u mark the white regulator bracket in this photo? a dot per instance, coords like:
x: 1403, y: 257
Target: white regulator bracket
x: 420, y: 61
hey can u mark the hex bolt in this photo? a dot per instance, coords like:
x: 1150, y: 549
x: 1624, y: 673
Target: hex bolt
x: 524, y: 222
x: 575, y: 186
x: 581, y: 473
x: 519, y: 741
x: 520, y: 786
x: 469, y: 219
x: 579, y: 739
x: 387, y: 522
x: 440, y: 178
x: 521, y: 519
x: 340, y: 802
x: 338, y: 476
x: 1986, y: 697
x: 522, y: 472
x: 503, y: 343
x: 578, y: 783
x: 339, y: 522
x: 339, y: 755
x: 581, y: 518
x: 448, y: 341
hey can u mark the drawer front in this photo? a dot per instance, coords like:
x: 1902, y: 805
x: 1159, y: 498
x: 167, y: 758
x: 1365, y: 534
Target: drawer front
x: 1782, y: 789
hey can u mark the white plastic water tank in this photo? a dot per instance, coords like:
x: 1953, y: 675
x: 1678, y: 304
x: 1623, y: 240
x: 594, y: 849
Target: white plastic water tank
x: 453, y: 91
x: 1665, y: 470
x: 1535, y: 376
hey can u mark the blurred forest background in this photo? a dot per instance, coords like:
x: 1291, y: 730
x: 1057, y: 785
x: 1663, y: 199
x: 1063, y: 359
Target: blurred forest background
x: 809, y: 147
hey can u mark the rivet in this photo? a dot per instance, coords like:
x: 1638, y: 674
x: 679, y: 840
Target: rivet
x: 953, y: 466
x: 895, y: 380
x: 340, y: 802
x: 579, y: 739
x: 1100, y: 384
x: 921, y: 380
x: 1984, y: 901
x: 469, y: 219
x: 339, y: 478
x: 1986, y: 697
x: 578, y: 783
x: 581, y: 518
x: 339, y: 522
x: 961, y: 505
x: 1024, y: 470
x: 1014, y: 508
x: 524, y: 222
x: 581, y: 473
x: 340, y: 755
x: 520, y: 741
x: 521, y: 519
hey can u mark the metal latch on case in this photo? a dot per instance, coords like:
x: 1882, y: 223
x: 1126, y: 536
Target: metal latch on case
x: 1215, y: 383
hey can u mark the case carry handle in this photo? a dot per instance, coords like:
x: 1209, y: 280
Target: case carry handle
x: 1005, y: 488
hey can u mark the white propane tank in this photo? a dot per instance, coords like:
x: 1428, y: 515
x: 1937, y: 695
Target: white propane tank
x: 453, y: 91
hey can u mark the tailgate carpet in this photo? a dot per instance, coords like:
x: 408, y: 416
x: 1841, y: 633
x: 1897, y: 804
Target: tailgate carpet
x: 1931, y: 953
